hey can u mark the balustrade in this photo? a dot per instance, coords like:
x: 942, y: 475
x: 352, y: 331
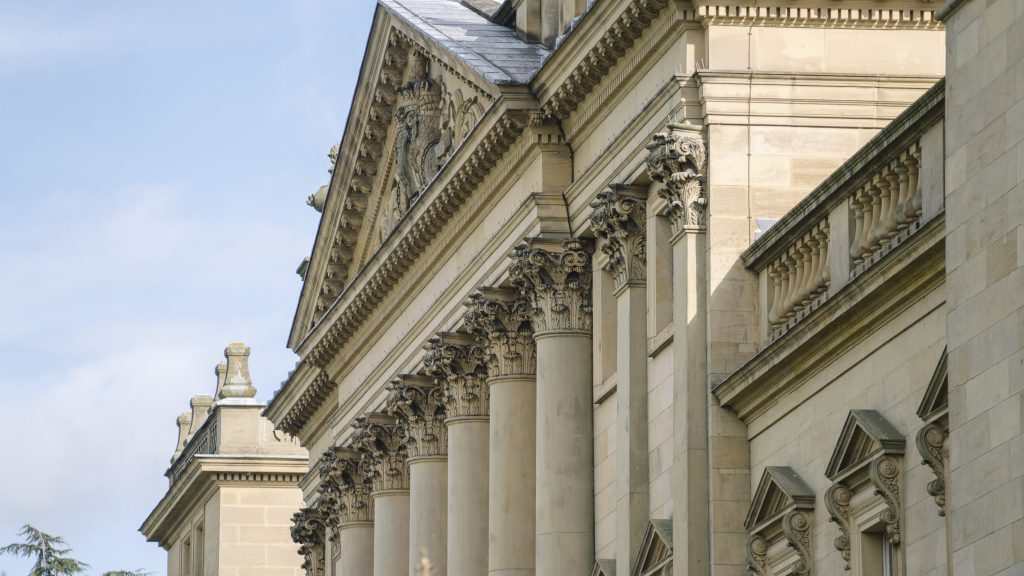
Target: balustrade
x: 799, y: 276
x: 888, y: 203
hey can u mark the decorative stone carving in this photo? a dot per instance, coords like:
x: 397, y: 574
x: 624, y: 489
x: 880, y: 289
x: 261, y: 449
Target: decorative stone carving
x: 500, y: 321
x: 557, y: 281
x: 418, y: 122
x: 344, y: 493
x: 931, y: 439
x: 782, y: 508
x: 418, y: 404
x: 308, y: 531
x: 458, y: 363
x: 308, y: 403
x: 381, y: 440
x: 620, y: 222
x: 677, y: 158
x: 869, y: 452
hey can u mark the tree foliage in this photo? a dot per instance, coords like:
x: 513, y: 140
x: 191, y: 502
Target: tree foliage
x: 51, y: 555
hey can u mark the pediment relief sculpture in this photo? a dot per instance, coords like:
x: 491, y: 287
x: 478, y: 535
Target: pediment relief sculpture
x: 868, y: 459
x: 780, y: 518
x: 931, y: 438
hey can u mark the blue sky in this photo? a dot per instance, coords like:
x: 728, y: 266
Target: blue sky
x: 154, y: 162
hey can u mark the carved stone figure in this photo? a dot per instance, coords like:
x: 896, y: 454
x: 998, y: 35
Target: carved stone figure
x: 418, y: 121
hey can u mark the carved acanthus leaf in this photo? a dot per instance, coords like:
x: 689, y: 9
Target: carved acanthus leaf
x: 619, y: 221
x: 837, y: 502
x: 796, y: 526
x: 458, y: 363
x: 419, y: 405
x: 500, y: 321
x: 677, y: 158
x: 381, y: 440
x: 885, y: 475
x: 309, y: 531
x: 557, y: 282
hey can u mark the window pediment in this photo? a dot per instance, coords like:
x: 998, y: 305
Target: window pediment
x: 936, y: 396
x: 865, y: 436
x: 781, y: 512
x: 603, y: 567
x: 655, y: 556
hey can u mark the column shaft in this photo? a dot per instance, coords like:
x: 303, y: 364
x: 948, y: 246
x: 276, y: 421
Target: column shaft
x: 355, y: 550
x: 511, y: 536
x: 467, y: 495
x: 631, y: 409
x: 565, y: 453
x: 690, y: 524
x: 391, y: 533
x: 428, y: 512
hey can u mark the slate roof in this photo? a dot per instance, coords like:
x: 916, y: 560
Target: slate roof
x: 496, y: 52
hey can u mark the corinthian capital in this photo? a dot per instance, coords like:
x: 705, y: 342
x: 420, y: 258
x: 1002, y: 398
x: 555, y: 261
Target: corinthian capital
x: 620, y: 222
x: 677, y: 159
x: 500, y: 320
x: 309, y: 531
x: 344, y: 488
x: 381, y: 440
x: 418, y: 404
x: 458, y: 363
x: 556, y: 280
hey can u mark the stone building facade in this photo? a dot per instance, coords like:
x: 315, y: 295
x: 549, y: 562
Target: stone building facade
x: 234, y: 485
x: 646, y: 287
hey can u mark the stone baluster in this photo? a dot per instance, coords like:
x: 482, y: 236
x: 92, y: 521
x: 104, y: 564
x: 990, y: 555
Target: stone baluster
x: 875, y: 189
x: 799, y: 276
x: 381, y: 440
x: 458, y: 364
x: 824, y: 274
x: 796, y: 281
x: 619, y: 221
x: 899, y: 166
x: 418, y: 404
x: 886, y: 222
x: 857, y: 207
x: 555, y: 278
x: 808, y: 247
x: 775, y: 273
x: 499, y: 320
x: 916, y: 203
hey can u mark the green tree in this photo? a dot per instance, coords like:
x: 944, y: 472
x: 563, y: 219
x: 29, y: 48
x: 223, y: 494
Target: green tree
x: 50, y: 552
x: 127, y: 573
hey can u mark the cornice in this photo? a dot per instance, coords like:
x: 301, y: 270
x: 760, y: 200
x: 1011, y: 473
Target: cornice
x: 885, y: 290
x: 207, y: 473
x: 905, y: 15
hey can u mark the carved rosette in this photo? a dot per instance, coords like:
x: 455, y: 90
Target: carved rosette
x: 419, y: 404
x: 677, y: 158
x: 557, y: 283
x: 309, y: 531
x: 931, y: 443
x: 500, y: 321
x: 757, y: 555
x: 885, y: 477
x: 619, y: 221
x: 458, y: 363
x: 837, y: 502
x: 381, y: 440
x: 796, y: 526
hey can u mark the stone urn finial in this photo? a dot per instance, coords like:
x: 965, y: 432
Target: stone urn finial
x: 237, y: 382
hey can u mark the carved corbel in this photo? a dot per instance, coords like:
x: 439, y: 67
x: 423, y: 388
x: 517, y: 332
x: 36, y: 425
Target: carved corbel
x: 458, y: 363
x: 419, y: 404
x: 619, y: 221
x: 557, y: 281
x: 837, y: 502
x: 885, y: 475
x: 678, y: 159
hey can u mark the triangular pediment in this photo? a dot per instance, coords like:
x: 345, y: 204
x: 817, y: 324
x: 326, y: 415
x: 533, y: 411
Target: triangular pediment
x: 603, y: 567
x: 431, y: 70
x: 936, y: 396
x: 781, y: 490
x: 865, y: 435
x: 655, y: 548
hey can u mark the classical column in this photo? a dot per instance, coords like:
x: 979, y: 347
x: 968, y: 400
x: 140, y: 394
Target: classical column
x: 456, y: 362
x: 620, y: 223
x: 499, y: 320
x: 380, y: 439
x: 555, y: 277
x: 345, y: 497
x: 677, y: 159
x: 309, y: 531
x: 418, y: 404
